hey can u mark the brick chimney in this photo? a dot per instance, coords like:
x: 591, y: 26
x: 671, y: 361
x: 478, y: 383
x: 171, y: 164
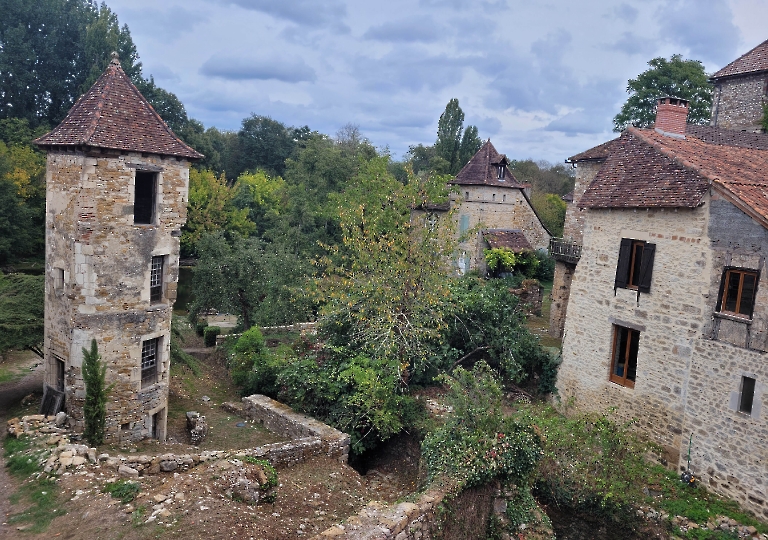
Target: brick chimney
x: 671, y: 114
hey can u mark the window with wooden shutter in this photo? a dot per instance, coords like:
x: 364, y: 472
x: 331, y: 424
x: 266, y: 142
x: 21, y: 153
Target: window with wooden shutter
x: 626, y: 343
x: 635, y: 266
x: 738, y: 289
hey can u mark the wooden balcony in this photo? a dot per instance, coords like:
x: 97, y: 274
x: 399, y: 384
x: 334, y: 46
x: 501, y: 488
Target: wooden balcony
x: 565, y: 250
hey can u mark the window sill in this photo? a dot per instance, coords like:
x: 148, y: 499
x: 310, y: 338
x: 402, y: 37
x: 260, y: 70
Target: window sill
x: 732, y: 317
x: 157, y: 307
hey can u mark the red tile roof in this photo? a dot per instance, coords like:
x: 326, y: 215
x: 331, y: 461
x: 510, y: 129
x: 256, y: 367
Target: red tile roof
x: 649, y: 170
x: 601, y: 151
x: 751, y: 62
x: 114, y: 115
x: 513, y: 239
x: 483, y: 169
x: 729, y: 137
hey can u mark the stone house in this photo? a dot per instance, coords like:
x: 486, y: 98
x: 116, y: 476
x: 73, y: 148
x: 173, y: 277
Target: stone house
x: 488, y: 200
x: 116, y: 199
x: 667, y: 320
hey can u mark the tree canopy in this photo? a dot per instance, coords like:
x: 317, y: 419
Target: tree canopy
x: 675, y: 77
x: 22, y: 312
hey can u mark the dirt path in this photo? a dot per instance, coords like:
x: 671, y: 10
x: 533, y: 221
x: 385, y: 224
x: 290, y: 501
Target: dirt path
x: 10, y: 394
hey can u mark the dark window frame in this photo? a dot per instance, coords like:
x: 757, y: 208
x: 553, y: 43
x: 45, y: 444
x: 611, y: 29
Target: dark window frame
x: 724, y: 296
x: 145, y: 198
x: 150, y: 360
x: 747, y: 395
x: 156, y: 270
x: 626, y: 344
x: 632, y: 273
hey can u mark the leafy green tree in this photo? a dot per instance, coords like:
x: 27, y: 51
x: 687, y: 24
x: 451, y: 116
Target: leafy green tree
x: 263, y: 143
x: 385, y: 287
x: 96, y: 393
x: 257, y: 281
x: 543, y: 176
x: 470, y: 144
x: 210, y: 209
x: 456, y: 149
x: 675, y: 77
x: 263, y: 196
x: 22, y: 312
x: 20, y: 235
x: 551, y: 209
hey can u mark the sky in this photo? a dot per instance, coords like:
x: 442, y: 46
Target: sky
x: 542, y: 79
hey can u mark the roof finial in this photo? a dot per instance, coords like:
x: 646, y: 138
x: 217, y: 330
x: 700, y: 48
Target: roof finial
x: 115, y: 59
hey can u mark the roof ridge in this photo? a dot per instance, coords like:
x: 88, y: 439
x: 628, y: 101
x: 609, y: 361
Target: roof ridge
x: 734, y: 69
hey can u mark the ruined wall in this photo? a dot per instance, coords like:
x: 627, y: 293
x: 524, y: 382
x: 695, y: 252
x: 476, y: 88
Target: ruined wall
x: 669, y: 319
x: 738, y: 102
x: 491, y: 207
x: 98, y: 273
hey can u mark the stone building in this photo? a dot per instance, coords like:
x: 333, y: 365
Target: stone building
x: 116, y: 199
x: 667, y: 321
x: 741, y: 90
x: 490, y: 200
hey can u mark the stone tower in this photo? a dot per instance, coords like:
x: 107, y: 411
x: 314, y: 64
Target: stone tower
x: 741, y: 90
x: 116, y: 199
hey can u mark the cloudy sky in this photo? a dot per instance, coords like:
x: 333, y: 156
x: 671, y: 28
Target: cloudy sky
x: 542, y: 79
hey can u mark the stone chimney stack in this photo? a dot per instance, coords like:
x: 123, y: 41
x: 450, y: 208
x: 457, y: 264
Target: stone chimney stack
x: 671, y: 115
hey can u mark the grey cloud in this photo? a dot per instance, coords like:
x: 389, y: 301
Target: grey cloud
x: 579, y: 122
x: 163, y: 24
x: 486, y: 5
x: 704, y: 27
x: 422, y: 30
x: 290, y: 70
x: 303, y: 12
x: 631, y: 43
x: 162, y: 72
x: 626, y: 13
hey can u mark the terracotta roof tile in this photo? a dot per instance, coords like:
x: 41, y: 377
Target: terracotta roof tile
x: 749, y: 62
x: 483, y: 169
x: 113, y: 114
x: 729, y: 137
x: 513, y: 239
x: 601, y: 151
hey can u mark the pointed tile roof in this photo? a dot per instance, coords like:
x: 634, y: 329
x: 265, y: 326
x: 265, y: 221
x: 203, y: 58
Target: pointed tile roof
x: 483, y: 169
x: 750, y: 62
x: 114, y: 115
x: 596, y: 153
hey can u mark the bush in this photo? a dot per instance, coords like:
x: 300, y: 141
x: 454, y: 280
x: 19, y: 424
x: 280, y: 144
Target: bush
x: 209, y: 335
x: 122, y: 489
x: 200, y: 326
x: 96, y: 392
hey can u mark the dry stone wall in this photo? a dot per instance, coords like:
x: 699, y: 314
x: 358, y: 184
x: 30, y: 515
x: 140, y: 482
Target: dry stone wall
x: 738, y: 102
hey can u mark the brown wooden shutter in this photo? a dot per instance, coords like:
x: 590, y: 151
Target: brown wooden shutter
x: 646, y: 268
x: 622, y: 268
x: 719, y: 305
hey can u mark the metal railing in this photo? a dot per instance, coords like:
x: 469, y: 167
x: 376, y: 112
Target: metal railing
x: 565, y: 250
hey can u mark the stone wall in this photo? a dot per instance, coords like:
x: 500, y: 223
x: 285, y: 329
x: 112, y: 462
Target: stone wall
x: 689, y: 366
x: 98, y: 266
x: 561, y: 289
x: 738, y: 102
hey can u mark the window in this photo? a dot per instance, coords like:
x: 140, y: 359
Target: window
x: 466, y: 195
x: 504, y: 198
x: 144, y: 201
x: 501, y: 172
x: 156, y: 279
x: 149, y: 362
x: 624, y: 362
x: 747, y: 395
x: 58, y: 279
x: 493, y: 197
x: 635, y: 265
x: 60, y: 371
x: 737, y: 292
x: 463, y: 223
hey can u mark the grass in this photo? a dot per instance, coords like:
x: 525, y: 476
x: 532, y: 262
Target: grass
x: 39, y: 495
x: 122, y: 489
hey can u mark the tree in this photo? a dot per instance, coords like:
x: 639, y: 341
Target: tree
x: 22, y: 312
x: 264, y: 143
x: 551, y: 210
x: 470, y: 144
x: 96, y: 392
x: 675, y: 77
x: 449, y: 133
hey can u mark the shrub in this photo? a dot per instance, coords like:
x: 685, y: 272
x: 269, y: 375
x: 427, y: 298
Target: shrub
x: 209, y: 335
x: 200, y: 326
x: 122, y: 489
x: 96, y: 392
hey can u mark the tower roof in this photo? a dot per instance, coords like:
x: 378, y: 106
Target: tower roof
x: 114, y: 115
x: 483, y: 169
x: 750, y: 62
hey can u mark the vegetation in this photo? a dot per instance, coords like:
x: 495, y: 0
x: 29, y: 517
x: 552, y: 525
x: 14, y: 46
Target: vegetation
x: 675, y: 77
x: 124, y: 490
x: 21, y: 312
x: 96, y: 392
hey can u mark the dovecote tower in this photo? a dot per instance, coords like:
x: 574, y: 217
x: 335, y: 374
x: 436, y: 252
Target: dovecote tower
x: 116, y: 198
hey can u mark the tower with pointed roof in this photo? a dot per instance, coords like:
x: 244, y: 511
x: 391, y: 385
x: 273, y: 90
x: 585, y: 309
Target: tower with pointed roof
x: 492, y: 201
x: 741, y: 91
x: 116, y: 196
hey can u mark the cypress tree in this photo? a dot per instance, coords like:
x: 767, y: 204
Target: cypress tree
x: 95, y: 408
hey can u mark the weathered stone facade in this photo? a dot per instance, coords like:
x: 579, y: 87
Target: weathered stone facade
x: 691, y: 358
x: 738, y: 102
x: 99, y: 264
x: 481, y: 207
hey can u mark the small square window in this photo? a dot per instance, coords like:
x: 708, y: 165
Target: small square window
x: 626, y: 343
x: 747, y: 395
x: 156, y: 279
x: 737, y: 292
x: 149, y: 361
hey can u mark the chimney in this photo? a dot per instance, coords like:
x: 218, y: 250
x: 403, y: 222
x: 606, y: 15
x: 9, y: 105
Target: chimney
x: 671, y: 114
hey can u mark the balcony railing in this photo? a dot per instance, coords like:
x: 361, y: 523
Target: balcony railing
x: 565, y: 250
